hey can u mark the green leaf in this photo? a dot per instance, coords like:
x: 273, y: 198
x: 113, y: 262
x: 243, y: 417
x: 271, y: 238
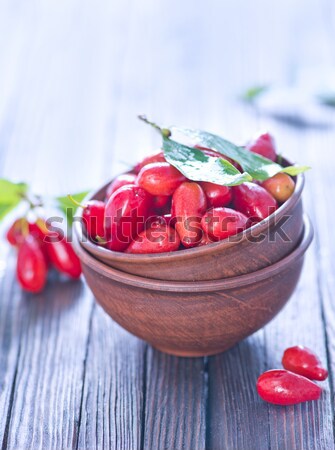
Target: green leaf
x: 68, y: 207
x: 257, y: 166
x: 11, y: 195
x: 252, y: 93
x: 197, y: 166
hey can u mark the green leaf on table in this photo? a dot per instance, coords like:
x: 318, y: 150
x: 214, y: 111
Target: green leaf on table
x: 66, y: 205
x: 257, y: 166
x: 11, y: 195
x: 197, y: 166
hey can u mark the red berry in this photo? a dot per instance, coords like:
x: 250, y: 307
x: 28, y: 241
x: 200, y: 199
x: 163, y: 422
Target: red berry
x: 156, y: 157
x: 188, y: 206
x: 119, y: 181
x: 63, y: 257
x: 157, y: 239
x: 160, y: 178
x: 220, y: 223
x: 15, y: 232
x: 31, y: 269
x: 280, y: 186
x: 216, y: 194
x: 93, y: 218
x: 125, y: 215
x: 281, y: 387
x: 303, y: 361
x: 253, y: 201
x: 263, y: 145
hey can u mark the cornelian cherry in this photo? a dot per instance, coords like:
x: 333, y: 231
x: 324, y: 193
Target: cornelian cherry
x: 280, y: 186
x: 157, y: 239
x: 156, y: 157
x: 125, y: 215
x: 63, y: 257
x: 253, y: 201
x: 119, y: 181
x: 220, y: 223
x: 263, y: 145
x: 93, y: 218
x: 160, y: 178
x: 31, y: 269
x: 188, y: 205
x: 303, y: 361
x: 282, y: 387
x: 216, y: 194
x: 15, y: 232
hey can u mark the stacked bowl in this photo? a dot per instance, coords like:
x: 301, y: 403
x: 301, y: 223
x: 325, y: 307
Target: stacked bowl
x: 203, y: 300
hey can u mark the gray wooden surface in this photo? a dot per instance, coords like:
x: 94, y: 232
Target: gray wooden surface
x: 73, y: 77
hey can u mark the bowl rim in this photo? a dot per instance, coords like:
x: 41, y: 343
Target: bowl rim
x: 252, y: 232
x: 198, y: 286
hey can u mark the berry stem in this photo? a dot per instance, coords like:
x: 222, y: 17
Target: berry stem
x: 165, y: 132
x: 74, y: 201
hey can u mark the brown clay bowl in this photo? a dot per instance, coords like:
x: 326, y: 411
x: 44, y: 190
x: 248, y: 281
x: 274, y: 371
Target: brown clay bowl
x: 253, y: 249
x: 195, y: 318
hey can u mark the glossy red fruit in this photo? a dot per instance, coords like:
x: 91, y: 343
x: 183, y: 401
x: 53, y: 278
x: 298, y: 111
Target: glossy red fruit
x: 31, y: 269
x: 160, y: 178
x: 282, y: 387
x: 303, y: 361
x: 253, y: 201
x: 188, y: 206
x: 94, y: 218
x: 125, y: 215
x: 157, y: 239
x: 216, y: 195
x: 263, y: 145
x: 15, y: 232
x: 220, y: 223
x: 63, y: 257
x: 280, y: 186
x: 119, y: 181
x: 156, y: 157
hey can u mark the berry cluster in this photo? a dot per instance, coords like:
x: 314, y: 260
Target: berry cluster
x: 155, y: 208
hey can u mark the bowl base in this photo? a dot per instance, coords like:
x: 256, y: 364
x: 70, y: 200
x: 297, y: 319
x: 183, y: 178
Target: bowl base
x: 190, y: 353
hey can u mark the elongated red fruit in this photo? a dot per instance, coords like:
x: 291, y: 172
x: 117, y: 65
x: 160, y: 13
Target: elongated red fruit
x: 119, y: 181
x: 282, y: 387
x: 93, y: 218
x: 263, y: 145
x: 156, y: 157
x: 31, y: 269
x: 63, y: 257
x: 159, y: 239
x: 15, y: 232
x: 188, y: 206
x: 216, y: 194
x: 220, y: 223
x: 253, y: 201
x: 303, y: 361
x: 160, y: 178
x: 125, y: 215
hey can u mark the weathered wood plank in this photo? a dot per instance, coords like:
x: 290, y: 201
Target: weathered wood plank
x: 112, y: 402
x: 175, y: 405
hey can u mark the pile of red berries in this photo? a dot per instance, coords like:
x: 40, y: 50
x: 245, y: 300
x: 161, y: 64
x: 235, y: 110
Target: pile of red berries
x: 155, y: 208
x: 38, y: 251
x: 293, y: 385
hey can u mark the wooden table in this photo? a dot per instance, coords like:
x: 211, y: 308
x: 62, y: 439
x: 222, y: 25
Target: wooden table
x: 73, y: 77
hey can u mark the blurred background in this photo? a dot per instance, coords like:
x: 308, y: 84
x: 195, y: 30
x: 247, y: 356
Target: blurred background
x: 75, y: 74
